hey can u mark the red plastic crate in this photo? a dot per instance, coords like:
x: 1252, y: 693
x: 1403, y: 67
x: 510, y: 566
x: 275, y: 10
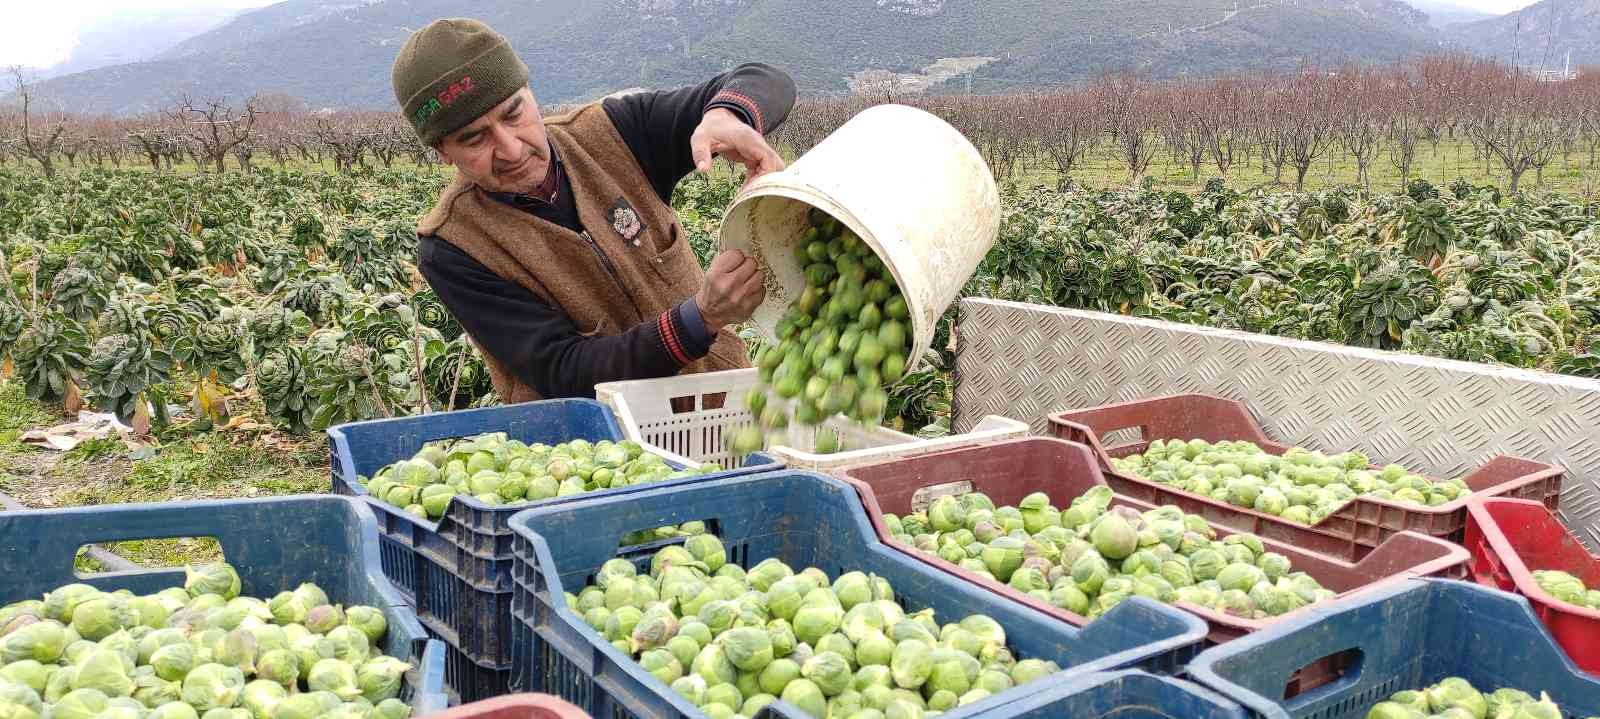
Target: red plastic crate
x: 1509, y: 539
x: 1357, y: 528
x: 516, y: 706
x: 1008, y: 471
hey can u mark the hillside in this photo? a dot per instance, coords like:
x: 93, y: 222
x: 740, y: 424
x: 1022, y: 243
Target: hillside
x: 336, y: 53
x: 1540, y: 34
x: 1443, y: 13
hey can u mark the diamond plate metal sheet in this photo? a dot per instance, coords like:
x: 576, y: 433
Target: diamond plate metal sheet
x: 1437, y: 417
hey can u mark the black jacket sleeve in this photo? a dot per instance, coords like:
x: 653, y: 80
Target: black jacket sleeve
x: 540, y: 343
x: 657, y: 125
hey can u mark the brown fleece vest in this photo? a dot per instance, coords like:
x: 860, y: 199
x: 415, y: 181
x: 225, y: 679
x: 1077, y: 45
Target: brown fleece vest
x: 608, y: 279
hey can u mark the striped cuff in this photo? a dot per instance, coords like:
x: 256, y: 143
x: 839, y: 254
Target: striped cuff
x: 740, y: 102
x: 681, y: 342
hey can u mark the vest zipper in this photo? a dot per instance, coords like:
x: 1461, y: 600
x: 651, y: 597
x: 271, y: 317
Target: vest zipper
x: 611, y: 271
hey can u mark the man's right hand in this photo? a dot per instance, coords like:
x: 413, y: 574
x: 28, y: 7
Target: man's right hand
x: 733, y: 289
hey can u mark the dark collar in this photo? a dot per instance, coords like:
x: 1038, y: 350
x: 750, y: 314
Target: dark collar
x: 546, y: 193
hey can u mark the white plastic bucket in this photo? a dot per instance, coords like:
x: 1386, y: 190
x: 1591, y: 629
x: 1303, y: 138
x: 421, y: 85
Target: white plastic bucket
x: 906, y: 182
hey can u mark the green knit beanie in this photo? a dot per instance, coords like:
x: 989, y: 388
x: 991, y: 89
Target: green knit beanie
x: 452, y: 72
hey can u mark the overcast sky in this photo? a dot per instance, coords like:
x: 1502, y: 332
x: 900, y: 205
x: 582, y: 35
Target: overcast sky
x: 42, y: 33
x: 39, y: 34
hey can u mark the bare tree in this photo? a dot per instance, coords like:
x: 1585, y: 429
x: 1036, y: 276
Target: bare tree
x: 1309, y: 114
x: 1126, y: 106
x: 42, y: 146
x: 1069, y: 129
x: 214, y: 126
x: 1514, y: 119
x: 1357, y: 107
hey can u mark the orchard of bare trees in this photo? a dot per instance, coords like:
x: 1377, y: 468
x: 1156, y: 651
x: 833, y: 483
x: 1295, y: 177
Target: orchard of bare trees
x: 1365, y: 117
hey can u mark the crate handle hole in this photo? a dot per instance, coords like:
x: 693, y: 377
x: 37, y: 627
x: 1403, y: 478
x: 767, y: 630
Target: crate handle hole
x: 92, y: 560
x: 1317, y: 676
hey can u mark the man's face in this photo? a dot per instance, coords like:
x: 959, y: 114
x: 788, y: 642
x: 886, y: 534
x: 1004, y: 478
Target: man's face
x: 506, y: 150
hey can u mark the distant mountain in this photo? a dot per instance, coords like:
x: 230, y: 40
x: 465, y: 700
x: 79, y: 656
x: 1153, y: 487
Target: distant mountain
x: 1539, y: 35
x: 261, y: 24
x: 1443, y: 13
x: 338, y: 53
x: 129, y: 34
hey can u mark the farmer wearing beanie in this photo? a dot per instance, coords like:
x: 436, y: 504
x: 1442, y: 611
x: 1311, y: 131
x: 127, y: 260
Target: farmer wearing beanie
x: 556, y: 246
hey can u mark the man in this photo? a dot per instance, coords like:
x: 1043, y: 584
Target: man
x: 556, y: 246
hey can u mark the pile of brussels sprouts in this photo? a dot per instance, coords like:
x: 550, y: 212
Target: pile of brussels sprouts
x: 733, y: 641
x: 1302, y: 486
x: 499, y: 471
x: 196, y: 652
x: 1567, y: 588
x: 1455, y: 698
x: 1091, y: 556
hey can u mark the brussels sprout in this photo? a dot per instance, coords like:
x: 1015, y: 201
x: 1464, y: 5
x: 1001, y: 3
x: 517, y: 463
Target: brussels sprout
x: 102, y: 616
x: 1455, y: 692
x: 173, y: 710
x: 712, y: 665
x: 1274, y: 565
x: 947, y: 514
x: 691, y: 687
x: 59, y: 604
x: 911, y: 663
x: 299, y: 706
x: 106, y: 671
x: 324, y: 619
x: 369, y: 620
x: 811, y: 623
x: 708, y: 550
x: 829, y: 671
x: 42, y: 641
x: 1113, y: 537
x: 20, y: 696
x: 238, y: 649
x: 288, y: 608
x: 80, y: 704
x: 748, y: 648
x: 213, y: 686
x: 1003, y: 556
x: 753, y: 705
x: 261, y: 697
x: 28, y: 673
x: 1241, y: 577
x: 853, y: 588
x: 806, y: 695
x: 336, y: 676
x: 380, y: 678
x: 391, y: 709
x: 153, y: 691
x: 662, y: 664
x: 173, y: 661
x: 218, y: 578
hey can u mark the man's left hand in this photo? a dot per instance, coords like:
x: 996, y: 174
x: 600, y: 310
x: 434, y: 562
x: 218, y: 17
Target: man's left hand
x: 721, y: 132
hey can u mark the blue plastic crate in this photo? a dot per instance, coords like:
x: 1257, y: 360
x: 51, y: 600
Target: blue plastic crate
x: 275, y: 544
x: 803, y: 519
x: 1128, y: 694
x: 466, y: 680
x: 1402, y: 635
x: 457, y: 571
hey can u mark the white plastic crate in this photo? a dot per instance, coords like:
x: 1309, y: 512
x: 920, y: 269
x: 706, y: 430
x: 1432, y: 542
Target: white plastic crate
x: 691, y: 415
